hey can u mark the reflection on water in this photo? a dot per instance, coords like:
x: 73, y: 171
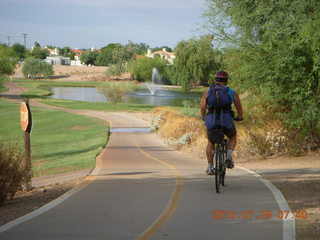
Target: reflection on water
x: 143, y: 96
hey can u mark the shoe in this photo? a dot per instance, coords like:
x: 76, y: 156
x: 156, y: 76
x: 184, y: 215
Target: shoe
x: 209, y: 171
x: 229, y: 163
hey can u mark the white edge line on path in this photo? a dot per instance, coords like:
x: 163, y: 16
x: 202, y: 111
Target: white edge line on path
x: 289, y: 232
x: 43, y: 209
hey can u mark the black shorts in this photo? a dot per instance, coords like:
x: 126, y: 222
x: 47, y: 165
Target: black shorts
x: 229, y: 132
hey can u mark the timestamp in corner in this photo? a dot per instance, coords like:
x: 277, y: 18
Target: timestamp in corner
x: 253, y: 214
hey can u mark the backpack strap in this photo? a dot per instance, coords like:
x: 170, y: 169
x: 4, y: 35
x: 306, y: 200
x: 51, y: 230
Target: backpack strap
x: 229, y: 95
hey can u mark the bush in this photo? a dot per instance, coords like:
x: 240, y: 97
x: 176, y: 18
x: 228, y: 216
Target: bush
x: 1, y: 82
x: 12, y: 172
x: 36, y: 67
x: 114, y: 91
x: 115, y: 70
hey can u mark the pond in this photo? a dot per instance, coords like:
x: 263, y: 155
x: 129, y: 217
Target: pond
x: 162, y: 97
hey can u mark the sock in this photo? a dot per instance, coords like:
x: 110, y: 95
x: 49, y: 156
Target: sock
x: 229, y: 154
x: 210, y: 165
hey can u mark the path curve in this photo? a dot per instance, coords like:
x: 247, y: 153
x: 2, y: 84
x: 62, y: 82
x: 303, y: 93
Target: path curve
x: 142, y: 189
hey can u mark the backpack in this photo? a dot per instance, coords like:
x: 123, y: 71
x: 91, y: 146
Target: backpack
x: 218, y: 98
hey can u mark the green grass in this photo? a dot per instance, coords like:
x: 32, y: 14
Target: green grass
x: 60, y: 142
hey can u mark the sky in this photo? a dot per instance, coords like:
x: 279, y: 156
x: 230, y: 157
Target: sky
x: 96, y: 23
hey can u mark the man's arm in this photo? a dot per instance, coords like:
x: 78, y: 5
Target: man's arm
x: 238, y: 105
x: 203, y: 108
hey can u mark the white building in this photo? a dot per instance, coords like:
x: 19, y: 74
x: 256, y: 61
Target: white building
x: 58, y: 60
x: 169, y: 56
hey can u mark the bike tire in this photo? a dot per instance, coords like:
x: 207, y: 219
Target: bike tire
x: 217, y: 168
x: 223, y: 169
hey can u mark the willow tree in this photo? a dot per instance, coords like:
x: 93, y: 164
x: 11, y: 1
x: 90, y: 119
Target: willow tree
x: 195, y: 60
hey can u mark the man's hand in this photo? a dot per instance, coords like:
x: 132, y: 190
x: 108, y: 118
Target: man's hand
x: 238, y: 119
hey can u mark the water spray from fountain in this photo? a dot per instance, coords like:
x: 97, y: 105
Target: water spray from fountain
x: 155, y: 85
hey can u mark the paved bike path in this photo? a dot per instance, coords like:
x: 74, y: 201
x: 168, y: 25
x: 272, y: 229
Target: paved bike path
x: 143, y: 189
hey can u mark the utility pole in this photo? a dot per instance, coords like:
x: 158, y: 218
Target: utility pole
x: 25, y: 39
x: 8, y: 41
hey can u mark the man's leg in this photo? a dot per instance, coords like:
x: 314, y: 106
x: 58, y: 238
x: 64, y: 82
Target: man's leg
x: 232, y: 142
x: 230, y: 147
x: 209, y: 152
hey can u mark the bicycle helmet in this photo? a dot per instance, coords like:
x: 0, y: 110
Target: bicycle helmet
x: 221, y: 76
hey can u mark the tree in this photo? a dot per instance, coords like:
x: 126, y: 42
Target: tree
x: 8, y: 60
x: 168, y: 49
x: 142, y: 48
x: 37, y: 52
x: 141, y: 69
x: 36, y: 67
x: 196, y: 58
x: 116, y: 53
x: 89, y: 57
x: 65, y: 51
x: 277, y: 52
x: 20, y: 50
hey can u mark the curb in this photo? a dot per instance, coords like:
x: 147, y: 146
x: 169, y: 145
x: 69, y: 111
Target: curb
x: 44, y: 208
x: 289, y: 231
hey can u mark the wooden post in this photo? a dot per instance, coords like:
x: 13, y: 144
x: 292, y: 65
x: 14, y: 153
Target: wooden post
x: 26, y: 125
x: 27, y: 147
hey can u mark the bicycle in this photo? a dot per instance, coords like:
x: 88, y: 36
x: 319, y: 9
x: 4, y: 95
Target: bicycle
x: 219, y: 156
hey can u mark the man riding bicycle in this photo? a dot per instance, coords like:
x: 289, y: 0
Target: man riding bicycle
x: 216, y: 109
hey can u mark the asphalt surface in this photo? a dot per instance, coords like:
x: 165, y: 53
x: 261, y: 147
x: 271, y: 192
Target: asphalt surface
x: 141, y: 189
x: 139, y: 181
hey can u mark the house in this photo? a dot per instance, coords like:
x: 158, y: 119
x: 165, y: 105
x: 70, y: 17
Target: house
x: 77, y: 61
x: 52, y: 52
x: 169, y: 56
x: 58, y: 60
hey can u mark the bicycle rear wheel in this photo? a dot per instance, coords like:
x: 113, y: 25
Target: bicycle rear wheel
x: 223, y: 168
x: 217, y: 168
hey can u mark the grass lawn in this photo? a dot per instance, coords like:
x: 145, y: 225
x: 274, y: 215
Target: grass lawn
x: 60, y: 141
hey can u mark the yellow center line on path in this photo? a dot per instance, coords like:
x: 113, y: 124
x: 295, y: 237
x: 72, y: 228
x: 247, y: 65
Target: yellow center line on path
x: 172, y: 204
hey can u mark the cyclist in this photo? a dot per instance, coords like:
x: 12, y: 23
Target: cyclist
x: 216, y: 118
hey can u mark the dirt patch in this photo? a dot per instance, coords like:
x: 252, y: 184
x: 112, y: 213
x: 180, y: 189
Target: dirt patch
x: 78, y: 128
x: 302, y: 195
x: 76, y: 73
x: 25, y: 202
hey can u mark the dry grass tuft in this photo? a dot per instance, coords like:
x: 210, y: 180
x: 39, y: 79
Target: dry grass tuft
x: 183, y: 132
x: 189, y: 134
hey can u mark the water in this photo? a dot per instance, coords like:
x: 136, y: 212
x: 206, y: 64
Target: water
x: 155, y: 85
x: 161, y: 97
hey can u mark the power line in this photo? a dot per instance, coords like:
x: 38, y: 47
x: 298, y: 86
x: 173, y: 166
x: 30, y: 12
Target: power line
x: 24, y: 36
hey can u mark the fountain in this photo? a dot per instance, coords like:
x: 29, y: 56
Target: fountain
x: 154, y: 86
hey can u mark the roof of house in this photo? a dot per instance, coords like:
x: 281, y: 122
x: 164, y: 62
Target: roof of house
x: 77, y: 51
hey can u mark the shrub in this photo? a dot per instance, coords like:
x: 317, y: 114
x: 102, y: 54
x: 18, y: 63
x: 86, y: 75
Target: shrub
x: 12, y: 172
x: 114, y: 91
x: 115, y: 70
x: 36, y: 67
